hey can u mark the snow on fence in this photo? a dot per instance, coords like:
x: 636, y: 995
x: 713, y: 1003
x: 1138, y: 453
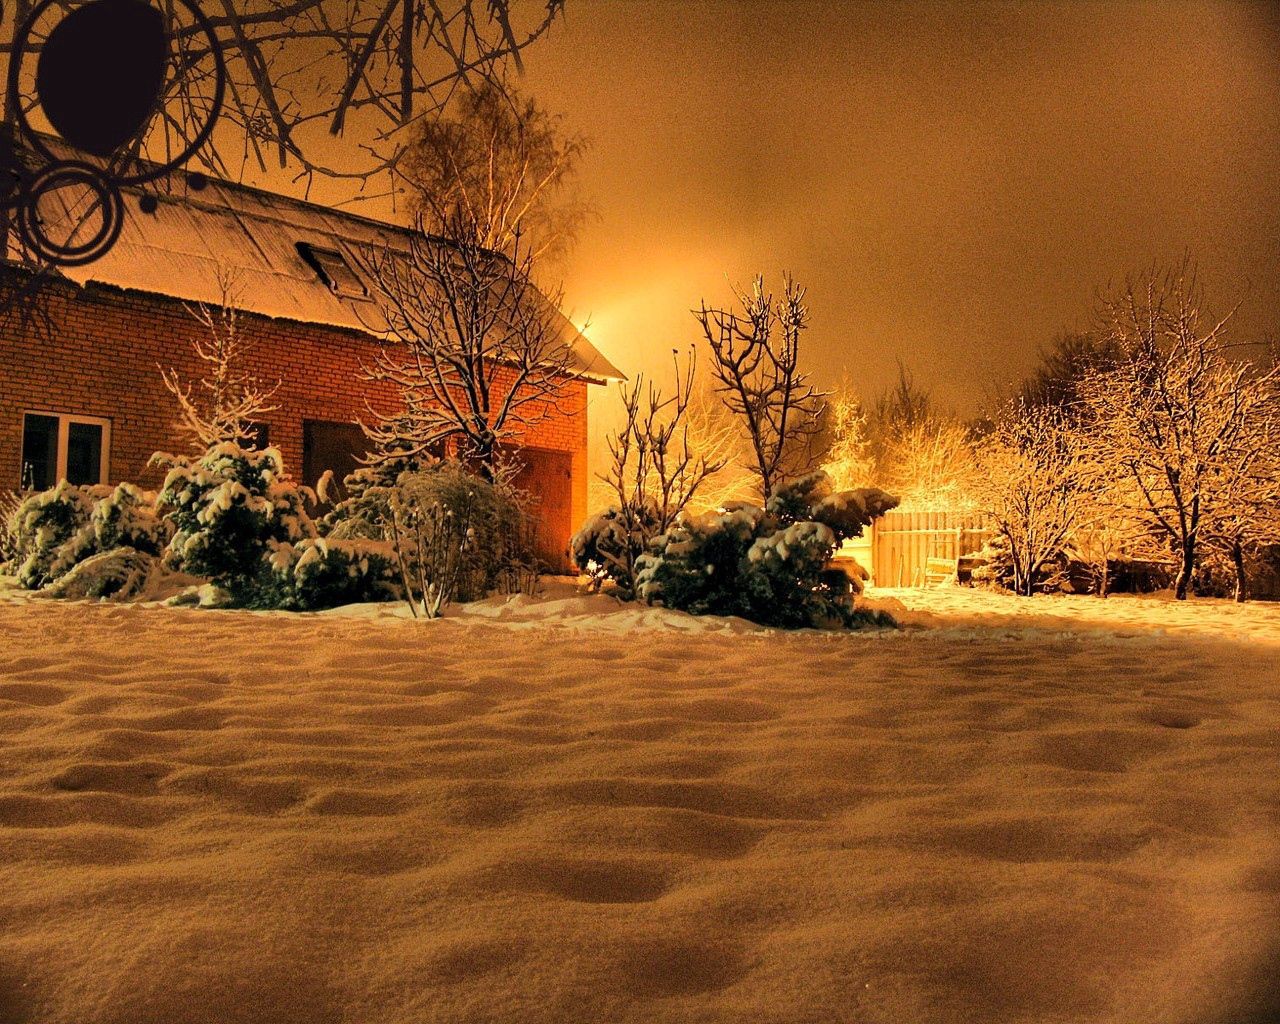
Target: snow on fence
x: 907, y: 548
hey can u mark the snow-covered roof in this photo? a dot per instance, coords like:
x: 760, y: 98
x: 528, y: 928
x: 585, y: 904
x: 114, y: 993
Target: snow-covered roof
x: 193, y: 239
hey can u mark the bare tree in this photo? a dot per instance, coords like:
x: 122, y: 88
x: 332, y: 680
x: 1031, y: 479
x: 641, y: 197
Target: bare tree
x: 1179, y: 413
x: 654, y: 473
x: 712, y: 431
x: 478, y: 354
x: 223, y: 404
x: 901, y: 407
x: 756, y: 363
x: 1033, y: 484
x: 714, y: 434
x: 497, y: 159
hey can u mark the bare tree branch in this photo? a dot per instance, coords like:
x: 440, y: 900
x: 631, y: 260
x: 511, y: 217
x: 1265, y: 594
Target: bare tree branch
x: 756, y: 363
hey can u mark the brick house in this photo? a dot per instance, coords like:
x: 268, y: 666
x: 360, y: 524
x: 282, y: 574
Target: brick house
x: 80, y: 390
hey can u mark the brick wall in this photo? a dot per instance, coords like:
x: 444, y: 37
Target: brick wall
x: 102, y: 357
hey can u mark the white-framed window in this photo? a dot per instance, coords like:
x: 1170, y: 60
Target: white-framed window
x: 58, y: 446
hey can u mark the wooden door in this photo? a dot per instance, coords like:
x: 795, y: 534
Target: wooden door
x: 548, y: 476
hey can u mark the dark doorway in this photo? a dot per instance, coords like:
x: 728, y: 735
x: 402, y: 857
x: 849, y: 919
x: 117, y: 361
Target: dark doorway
x: 331, y: 446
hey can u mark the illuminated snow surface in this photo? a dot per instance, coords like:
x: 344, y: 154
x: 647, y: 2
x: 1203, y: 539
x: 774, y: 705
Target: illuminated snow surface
x: 565, y: 810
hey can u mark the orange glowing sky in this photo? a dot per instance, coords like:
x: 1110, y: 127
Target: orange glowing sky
x: 951, y: 182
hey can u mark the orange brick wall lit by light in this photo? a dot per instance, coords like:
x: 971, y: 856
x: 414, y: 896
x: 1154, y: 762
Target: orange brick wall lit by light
x: 98, y: 352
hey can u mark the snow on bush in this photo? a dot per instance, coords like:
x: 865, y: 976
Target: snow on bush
x: 697, y: 565
x: 116, y: 574
x: 242, y: 524
x: 231, y: 509
x: 321, y: 572
x: 47, y: 529
x: 768, y: 565
x: 365, y: 512
x: 127, y: 518
x: 58, y: 530
x: 610, y: 542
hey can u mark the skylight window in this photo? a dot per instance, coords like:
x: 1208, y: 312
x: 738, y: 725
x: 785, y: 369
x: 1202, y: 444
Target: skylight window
x: 334, y: 271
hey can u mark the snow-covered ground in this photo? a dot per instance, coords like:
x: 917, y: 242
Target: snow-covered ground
x: 565, y: 810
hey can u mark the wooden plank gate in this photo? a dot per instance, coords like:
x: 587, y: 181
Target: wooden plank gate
x: 916, y: 548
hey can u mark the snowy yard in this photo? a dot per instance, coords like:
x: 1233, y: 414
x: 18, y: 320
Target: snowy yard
x: 565, y: 811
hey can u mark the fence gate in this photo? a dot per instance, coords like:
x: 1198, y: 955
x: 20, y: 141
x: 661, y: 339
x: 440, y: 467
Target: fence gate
x: 903, y: 544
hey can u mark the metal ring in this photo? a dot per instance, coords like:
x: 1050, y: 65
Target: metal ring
x: 108, y: 198
x: 17, y: 52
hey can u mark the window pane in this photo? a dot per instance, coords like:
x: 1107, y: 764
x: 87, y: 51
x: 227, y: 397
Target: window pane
x: 39, y: 452
x: 84, y: 453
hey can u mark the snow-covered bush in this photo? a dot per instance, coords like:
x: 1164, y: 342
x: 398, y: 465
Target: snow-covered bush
x: 458, y: 532
x: 9, y: 503
x: 117, y: 573
x: 60, y: 529
x: 232, y: 509
x: 365, y: 511
x: 845, y: 513
x: 321, y: 572
x: 769, y: 565
x: 697, y: 565
x: 242, y: 524
x: 785, y: 576
x: 127, y: 518
x: 609, y: 543
x: 47, y: 529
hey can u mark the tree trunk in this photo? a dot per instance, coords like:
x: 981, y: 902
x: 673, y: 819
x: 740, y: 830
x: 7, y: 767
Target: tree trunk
x: 1237, y: 560
x: 485, y: 458
x: 1025, y: 579
x: 1183, y: 582
x: 1103, y: 579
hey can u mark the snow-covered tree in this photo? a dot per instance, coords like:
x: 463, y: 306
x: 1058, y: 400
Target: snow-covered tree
x: 223, y: 404
x: 849, y: 460
x: 1034, y: 486
x: 1242, y: 514
x: 931, y: 465
x: 1187, y: 420
x: 918, y: 451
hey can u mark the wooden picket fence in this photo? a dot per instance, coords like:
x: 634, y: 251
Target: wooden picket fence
x: 916, y: 548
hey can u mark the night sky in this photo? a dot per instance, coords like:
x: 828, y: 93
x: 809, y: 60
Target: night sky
x: 951, y: 182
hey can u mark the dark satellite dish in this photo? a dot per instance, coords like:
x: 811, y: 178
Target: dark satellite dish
x: 100, y: 73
